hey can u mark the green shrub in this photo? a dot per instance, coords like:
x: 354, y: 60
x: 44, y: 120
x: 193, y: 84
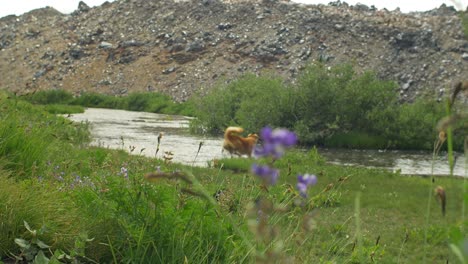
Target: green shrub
x: 250, y: 101
x: 338, y: 100
x: 409, y: 125
x: 334, y: 107
x: 137, y: 102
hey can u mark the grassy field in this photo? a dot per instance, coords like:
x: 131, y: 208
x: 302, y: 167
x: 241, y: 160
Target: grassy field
x: 63, y: 201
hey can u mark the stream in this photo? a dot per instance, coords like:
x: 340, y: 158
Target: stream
x: 120, y: 129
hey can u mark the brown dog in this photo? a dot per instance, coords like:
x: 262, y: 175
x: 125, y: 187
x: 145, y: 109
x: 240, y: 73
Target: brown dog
x: 238, y: 145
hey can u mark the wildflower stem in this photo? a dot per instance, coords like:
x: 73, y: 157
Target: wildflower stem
x: 464, y: 180
x: 199, y: 148
x: 450, y: 139
x: 431, y: 187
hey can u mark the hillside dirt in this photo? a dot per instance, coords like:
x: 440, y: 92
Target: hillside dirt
x: 183, y: 47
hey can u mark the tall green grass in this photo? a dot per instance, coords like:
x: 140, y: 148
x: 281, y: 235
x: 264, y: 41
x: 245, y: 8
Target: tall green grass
x: 38, y: 204
x: 27, y: 134
x: 49, y: 178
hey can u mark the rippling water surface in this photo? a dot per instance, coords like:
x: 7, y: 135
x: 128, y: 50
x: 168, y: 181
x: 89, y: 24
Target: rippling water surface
x: 126, y: 129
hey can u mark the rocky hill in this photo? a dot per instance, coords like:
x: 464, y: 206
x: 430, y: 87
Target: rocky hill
x: 179, y: 47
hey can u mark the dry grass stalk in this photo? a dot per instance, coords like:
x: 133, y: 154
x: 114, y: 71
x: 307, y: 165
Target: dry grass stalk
x: 159, y: 143
x: 152, y: 176
x: 441, y: 196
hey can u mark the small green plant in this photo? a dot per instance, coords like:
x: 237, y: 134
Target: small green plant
x: 34, y: 250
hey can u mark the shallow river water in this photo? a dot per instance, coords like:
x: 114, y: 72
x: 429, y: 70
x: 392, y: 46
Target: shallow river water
x: 120, y: 129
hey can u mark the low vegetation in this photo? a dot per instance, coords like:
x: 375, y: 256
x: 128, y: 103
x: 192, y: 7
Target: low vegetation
x: 147, y: 102
x: 63, y: 201
x: 332, y: 107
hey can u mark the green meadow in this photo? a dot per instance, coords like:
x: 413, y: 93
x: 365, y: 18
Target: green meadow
x: 65, y: 202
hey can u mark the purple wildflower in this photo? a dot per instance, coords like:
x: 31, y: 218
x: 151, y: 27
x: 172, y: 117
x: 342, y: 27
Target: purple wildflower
x: 266, y: 173
x: 261, y: 215
x: 78, y: 180
x: 275, y: 142
x: 124, y: 172
x: 304, y: 181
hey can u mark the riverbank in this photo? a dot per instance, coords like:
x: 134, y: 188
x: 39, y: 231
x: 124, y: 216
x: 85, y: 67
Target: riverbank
x: 137, y: 133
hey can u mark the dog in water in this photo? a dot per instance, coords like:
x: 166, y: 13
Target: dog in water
x: 234, y: 143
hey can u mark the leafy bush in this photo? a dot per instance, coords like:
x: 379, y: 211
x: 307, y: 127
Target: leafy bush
x: 408, y: 125
x: 335, y: 107
x: 338, y: 100
x: 250, y: 101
